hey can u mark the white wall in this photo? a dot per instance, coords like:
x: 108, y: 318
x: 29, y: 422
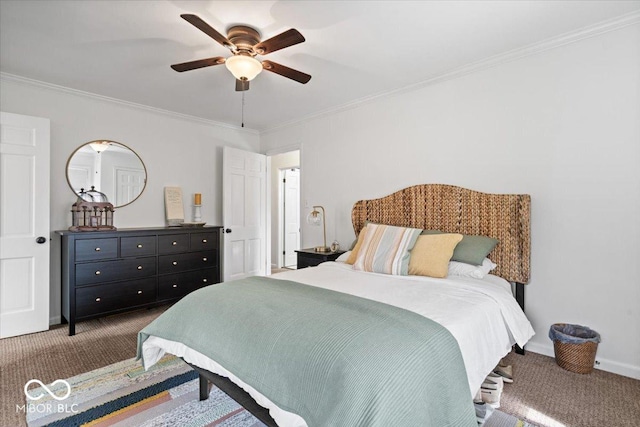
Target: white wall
x: 281, y: 161
x: 562, y: 125
x: 176, y: 151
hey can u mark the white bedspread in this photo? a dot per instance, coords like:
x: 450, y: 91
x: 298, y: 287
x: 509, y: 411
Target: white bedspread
x: 482, y: 315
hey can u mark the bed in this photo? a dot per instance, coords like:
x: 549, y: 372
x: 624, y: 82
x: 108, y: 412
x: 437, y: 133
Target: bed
x: 409, y: 350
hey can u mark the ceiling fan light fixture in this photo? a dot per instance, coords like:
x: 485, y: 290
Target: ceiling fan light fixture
x: 99, y: 146
x: 243, y: 67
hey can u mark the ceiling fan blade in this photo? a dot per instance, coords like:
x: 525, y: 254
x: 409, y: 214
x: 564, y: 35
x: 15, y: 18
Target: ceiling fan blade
x: 282, y: 40
x: 290, y: 73
x: 242, y: 85
x: 207, y: 29
x: 200, y: 63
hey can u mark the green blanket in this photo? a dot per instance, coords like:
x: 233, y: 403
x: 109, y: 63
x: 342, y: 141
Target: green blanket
x: 332, y: 358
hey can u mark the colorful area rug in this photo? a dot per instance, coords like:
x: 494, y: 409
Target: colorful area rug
x: 124, y: 395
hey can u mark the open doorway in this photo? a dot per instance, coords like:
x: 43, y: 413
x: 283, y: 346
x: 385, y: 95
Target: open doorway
x: 290, y: 209
x: 285, y: 209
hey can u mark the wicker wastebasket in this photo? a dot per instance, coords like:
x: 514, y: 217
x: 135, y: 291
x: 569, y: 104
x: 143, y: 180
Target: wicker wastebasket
x: 575, y: 347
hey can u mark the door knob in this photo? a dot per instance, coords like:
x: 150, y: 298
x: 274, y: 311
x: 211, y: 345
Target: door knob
x: 228, y: 230
x: 41, y: 240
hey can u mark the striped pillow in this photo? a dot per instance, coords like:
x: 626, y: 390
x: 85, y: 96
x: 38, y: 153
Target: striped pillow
x: 385, y: 249
x: 356, y: 248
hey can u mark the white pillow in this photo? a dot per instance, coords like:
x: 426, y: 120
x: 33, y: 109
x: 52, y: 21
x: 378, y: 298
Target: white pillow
x: 344, y: 257
x: 462, y: 269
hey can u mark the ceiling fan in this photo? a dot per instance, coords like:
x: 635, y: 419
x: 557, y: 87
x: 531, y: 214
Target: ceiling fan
x: 244, y: 42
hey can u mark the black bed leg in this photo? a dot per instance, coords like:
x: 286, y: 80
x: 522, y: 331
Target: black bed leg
x: 520, y: 300
x: 204, y: 387
x: 520, y: 295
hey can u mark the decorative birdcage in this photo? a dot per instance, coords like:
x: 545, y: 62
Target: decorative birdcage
x: 92, y: 212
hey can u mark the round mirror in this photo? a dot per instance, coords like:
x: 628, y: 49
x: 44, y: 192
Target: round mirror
x: 109, y: 167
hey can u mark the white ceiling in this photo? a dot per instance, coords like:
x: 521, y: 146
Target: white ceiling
x: 354, y: 49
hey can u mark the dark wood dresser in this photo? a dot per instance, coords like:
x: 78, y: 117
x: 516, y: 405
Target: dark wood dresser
x: 109, y: 272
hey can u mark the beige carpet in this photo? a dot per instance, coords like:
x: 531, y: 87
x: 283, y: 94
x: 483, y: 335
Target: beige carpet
x: 543, y: 393
x: 547, y: 395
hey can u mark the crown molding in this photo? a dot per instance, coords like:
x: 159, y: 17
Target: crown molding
x: 512, y: 55
x: 533, y: 49
x: 38, y: 83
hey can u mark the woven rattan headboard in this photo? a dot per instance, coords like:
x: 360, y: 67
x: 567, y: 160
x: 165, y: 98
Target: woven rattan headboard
x: 452, y: 209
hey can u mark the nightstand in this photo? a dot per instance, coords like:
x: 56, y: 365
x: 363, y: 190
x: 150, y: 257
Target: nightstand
x: 311, y: 258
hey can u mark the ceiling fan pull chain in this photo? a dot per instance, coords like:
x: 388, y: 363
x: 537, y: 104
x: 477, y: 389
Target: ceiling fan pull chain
x: 242, y: 109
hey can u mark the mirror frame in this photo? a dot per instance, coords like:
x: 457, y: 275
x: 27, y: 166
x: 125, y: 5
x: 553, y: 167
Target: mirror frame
x: 144, y: 167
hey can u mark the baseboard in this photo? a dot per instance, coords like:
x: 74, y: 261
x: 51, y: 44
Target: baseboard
x: 55, y: 320
x: 607, y: 365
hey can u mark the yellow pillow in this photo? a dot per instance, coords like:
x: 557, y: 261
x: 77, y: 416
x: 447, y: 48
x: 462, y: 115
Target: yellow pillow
x: 354, y: 252
x: 431, y: 254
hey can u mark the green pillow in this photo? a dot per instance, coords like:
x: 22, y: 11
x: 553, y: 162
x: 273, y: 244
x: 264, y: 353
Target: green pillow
x: 471, y: 249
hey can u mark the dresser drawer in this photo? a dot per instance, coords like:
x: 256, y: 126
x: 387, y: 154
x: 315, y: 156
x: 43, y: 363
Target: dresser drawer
x: 95, y: 249
x: 106, y: 271
x: 172, y: 286
x: 137, y: 246
x: 184, y: 262
x: 173, y: 243
x: 308, y: 261
x: 204, y: 241
x: 114, y: 296
x: 207, y: 277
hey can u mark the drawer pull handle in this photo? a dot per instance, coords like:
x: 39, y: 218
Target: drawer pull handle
x: 204, y: 280
x: 174, y: 286
x: 139, y: 267
x: 98, y: 299
x: 175, y: 263
x: 204, y: 259
x: 204, y: 240
x: 139, y: 292
x: 97, y: 249
x: 174, y: 243
x: 97, y: 272
x: 139, y: 245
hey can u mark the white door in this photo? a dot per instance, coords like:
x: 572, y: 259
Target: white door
x: 244, y: 213
x: 129, y: 184
x: 82, y: 173
x: 24, y: 224
x: 291, y: 211
x: 80, y: 178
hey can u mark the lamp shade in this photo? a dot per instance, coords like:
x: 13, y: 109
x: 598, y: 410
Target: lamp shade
x: 243, y: 67
x: 314, y: 218
x: 317, y: 217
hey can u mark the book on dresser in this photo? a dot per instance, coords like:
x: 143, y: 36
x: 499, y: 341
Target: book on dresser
x: 112, y: 272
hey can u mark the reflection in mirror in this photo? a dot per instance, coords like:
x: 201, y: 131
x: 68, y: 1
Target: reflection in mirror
x: 111, y: 168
